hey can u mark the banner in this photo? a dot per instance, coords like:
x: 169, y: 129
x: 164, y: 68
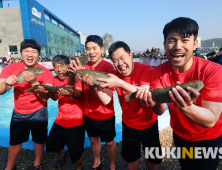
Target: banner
x: 153, y: 62
x: 47, y: 65
x: 1, y: 68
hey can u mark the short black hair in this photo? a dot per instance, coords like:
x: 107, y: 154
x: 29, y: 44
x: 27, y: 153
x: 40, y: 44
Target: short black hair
x: 116, y: 45
x: 61, y: 59
x: 213, y: 53
x: 185, y: 26
x: 30, y: 43
x: 96, y: 39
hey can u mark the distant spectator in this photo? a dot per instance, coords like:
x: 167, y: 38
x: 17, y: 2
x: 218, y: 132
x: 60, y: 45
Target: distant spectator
x: 153, y: 50
x: 5, y: 61
x: 16, y: 60
x: 9, y: 61
x: 147, y: 51
x: 156, y: 50
x: 220, y: 57
x: 8, y: 56
x: 48, y: 58
x: 159, y: 52
x: 213, y: 57
x: 196, y: 53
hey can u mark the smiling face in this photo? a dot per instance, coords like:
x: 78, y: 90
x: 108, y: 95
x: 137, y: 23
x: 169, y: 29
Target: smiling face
x: 60, y: 70
x: 94, y: 51
x: 179, y: 50
x: 30, y: 57
x: 122, y: 61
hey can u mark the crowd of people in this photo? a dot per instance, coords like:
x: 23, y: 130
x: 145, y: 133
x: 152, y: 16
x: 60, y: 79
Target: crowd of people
x: 211, y: 56
x: 195, y: 116
x: 154, y: 53
x: 4, y: 61
x: 11, y: 60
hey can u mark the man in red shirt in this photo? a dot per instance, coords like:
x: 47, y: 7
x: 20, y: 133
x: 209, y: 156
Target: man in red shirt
x: 68, y: 127
x: 139, y: 122
x: 98, y: 109
x: 195, y: 124
x: 30, y: 110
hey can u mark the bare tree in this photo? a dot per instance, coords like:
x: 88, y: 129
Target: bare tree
x: 56, y: 50
x: 68, y: 52
x: 107, y: 41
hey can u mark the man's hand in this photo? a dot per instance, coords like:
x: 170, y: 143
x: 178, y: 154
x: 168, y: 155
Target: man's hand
x: 87, y: 79
x: 145, y: 97
x: 42, y: 89
x: 181, y: 98
x: 29, y: 77
x: 11, y: 80
x: 111, y: 82
x: 75, y: 66
x: 64, y: 92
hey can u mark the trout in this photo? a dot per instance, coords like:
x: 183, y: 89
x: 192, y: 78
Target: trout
x: 83, y: 61
x: 94, y: 74
x: 51, y: 89
x: 34, y: 70
x: 161, y: 95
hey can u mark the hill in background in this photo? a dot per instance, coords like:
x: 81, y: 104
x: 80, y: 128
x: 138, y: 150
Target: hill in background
x: 209, y: 43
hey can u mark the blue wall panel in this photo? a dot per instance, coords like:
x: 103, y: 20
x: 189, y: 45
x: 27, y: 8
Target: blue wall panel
x: 26, y: 31
x: 35, y: 21
x: 25, y: 25
x: 26, y: 36
x: 24, y: 17
x: 22, y: 2
x: 23, y: 9
x: 28, y: 3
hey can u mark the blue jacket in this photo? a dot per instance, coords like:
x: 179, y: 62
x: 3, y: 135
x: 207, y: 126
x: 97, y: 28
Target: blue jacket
x: 220, y: 60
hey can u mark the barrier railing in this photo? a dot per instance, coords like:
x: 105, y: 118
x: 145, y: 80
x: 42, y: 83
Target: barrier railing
x: 47, y: 65
x: 151, y: 62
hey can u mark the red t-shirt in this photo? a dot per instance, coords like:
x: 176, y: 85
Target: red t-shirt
x: 26, y: 103
x: 201, y: 69
x: 93, y: 108
x: 70, y: 111
x: 134, y: 114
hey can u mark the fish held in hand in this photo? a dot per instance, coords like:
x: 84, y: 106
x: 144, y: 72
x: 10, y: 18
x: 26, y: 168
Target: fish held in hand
x: 34, y: 70
x: 51, y: 89
x: 161, y: 95
x: 94, y: 74
x: 83, y: 61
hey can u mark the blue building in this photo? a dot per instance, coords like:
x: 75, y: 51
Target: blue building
x: 34, y: 21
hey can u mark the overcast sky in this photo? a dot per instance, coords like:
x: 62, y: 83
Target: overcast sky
x: 137, y: 22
